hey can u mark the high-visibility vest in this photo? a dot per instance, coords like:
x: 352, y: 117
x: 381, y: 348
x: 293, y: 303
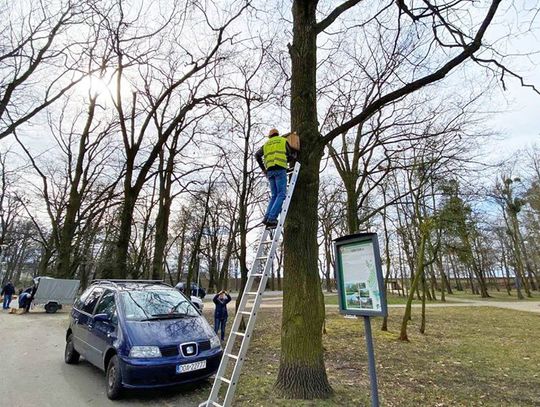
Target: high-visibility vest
x: 275, y: 152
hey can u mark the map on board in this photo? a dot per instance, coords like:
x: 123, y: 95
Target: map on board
x: 360, y: 277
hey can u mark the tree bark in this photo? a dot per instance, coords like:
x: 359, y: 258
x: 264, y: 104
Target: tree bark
x: 163, y: 215
x: 67, y: 231
x: 414, y: 285
x: 302, y: 372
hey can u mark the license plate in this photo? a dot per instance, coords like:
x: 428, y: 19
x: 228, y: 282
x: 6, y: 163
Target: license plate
x: 190, y: 367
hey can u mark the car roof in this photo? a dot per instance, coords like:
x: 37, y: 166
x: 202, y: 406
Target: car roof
x: 130, y: 285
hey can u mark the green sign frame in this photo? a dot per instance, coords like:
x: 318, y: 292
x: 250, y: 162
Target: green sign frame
x: 360, y: 282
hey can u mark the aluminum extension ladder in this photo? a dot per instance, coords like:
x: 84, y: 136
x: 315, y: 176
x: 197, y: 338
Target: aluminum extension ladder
x: 260, y: 269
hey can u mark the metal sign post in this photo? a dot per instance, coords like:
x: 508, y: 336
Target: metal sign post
x: 371, y: 363
x: 360, y: 286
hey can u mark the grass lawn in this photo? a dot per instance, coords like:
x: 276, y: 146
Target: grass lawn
x: 332, y: 299
x: 468, y: 357
x: 495, y: 296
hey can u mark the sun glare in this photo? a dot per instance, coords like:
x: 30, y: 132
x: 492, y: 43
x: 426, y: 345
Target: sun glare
x: 104, y: 87
x: 96, y: 86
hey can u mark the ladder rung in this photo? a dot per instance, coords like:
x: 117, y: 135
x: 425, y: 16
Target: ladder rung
x: 252, y: 293
x: 216, y: 404
x: 257, y: 274
x: 238, y: 333
x: 223, y: 379
x: 230, y: 355
x: 261, y: 258
x: 245, y: 313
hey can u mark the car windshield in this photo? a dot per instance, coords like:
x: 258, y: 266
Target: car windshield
x: 140, y: 305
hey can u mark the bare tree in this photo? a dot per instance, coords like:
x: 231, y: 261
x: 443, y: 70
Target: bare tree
x: 41, y: 56
x: 302, y: 373
x: 331, y: 224
x: 161, y: 99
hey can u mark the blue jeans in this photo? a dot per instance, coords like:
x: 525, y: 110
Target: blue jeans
x: 220, y: 323
x: 7, y: 301
x: 278, y: 188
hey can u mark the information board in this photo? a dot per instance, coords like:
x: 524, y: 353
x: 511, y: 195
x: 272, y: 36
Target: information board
x: 360, y: 281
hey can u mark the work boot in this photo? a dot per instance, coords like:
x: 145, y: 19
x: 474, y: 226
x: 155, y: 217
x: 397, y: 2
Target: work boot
x: 265, y: 221
x: 270, y: 224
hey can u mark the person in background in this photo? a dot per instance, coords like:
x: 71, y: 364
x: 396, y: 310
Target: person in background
x: 32, y: 291
x: 7, y: 291
x: 24, y: 298
x: 221, y: 300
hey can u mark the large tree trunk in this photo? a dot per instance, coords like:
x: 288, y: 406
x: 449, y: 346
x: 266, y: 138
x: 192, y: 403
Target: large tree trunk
x: 118, y: 268
x: 302, y: 372
x: 64, y: 267
x: 243, y: 224
x: 45, y: 258
x: 162, y: 235
x: 352, y: 204
x: 163, y: 215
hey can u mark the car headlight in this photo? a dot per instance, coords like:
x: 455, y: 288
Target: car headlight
x: 144, y: 352
x: 215, y: 342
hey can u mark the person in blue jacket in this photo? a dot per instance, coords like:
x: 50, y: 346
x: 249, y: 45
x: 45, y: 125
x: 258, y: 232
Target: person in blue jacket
x: 24, y: 299
x: 221, y: 300
x: 7, y: 291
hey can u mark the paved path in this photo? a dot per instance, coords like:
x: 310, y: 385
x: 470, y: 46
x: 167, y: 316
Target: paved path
x: 33, y: 353
x: 525, y: 305
x: 274, y: 300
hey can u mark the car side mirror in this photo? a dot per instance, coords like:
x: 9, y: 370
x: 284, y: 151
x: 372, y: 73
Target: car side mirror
x: 102, y: 318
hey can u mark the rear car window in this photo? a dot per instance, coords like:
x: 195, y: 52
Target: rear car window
x: 147, y: 304
x: 92, y: 299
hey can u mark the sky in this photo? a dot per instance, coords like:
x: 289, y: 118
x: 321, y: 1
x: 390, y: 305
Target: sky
x: 519, y: 124
x: 518, y: 118
x: 514, y: 116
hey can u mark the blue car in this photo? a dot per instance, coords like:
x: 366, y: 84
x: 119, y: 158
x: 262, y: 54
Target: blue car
x: 143, y: 334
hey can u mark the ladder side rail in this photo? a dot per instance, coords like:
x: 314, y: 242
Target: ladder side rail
x: 262, y: 286
x: 248, y: 287
x: 230, y: 341
x: 235, y: 326
x: 228, y: 350
x: 260, y: 249
x: 244, y: 344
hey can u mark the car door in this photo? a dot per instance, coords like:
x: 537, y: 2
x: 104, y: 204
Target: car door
x: 77, y: 318
x: 102, y: 334
x: 85, y: 322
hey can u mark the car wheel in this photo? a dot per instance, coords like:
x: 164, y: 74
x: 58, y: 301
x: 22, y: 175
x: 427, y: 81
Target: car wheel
x: 51, y: 307
x: 71, y: 356
x: 114, y: 379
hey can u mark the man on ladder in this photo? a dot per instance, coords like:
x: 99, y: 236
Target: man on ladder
x: 273, y: 157
x: 275, y: 151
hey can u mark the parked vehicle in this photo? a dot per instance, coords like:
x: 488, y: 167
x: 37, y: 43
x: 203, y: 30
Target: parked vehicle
x: 143, y: 334
x: 53, y: 293
x: 196, y: 290
x: 194, y: 299
x: 197, y: 302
